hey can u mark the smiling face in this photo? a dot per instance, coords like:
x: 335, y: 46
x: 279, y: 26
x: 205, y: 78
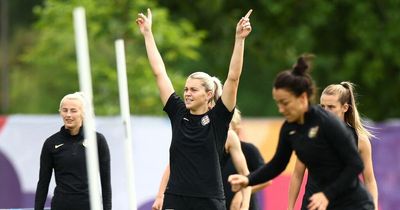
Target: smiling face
x: 72, y: 115
x: 289, y: 105
x: 196, y: 96
x: 332, y: 104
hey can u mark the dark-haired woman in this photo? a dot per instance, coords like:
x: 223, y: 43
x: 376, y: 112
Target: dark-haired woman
x: 340, y: 100
x: 321, y: 141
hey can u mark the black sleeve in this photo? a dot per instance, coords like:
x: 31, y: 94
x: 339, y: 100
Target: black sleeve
x: 222, y: 113
x: 343, y: 142
x: 277, y: 164
x: 46, y: 167
x: 173, y: 105
x: 222, y: 118
x: 105, y: 174
x: 253, y: 156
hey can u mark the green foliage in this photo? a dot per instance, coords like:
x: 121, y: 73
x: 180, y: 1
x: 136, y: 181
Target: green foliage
x: 49, y: 70
x: 352, y: 40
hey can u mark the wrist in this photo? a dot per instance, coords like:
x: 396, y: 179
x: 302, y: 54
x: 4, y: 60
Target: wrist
x: 147, y: 32
x: 239, y: 38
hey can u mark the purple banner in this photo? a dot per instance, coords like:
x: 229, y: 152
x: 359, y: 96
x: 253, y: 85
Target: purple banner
x: 386, y: 159
x: 20, y: 151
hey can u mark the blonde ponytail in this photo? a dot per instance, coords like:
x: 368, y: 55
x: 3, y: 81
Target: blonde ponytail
x: 212, y: 84
x: 346, y: 95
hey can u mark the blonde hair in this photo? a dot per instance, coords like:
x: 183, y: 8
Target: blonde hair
x: 346, y: 93
x: 74, y: 96
x: 236, y: 119
x: 212, y: 84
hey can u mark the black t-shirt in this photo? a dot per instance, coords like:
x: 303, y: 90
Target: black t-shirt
x: 312, y: 186
x: 328, y: 150
x: 196, y: 149
x: 65, y: 154
x: 254, y: 161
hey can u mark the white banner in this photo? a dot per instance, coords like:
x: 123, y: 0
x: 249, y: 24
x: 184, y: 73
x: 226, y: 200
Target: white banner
x: 22, y: 138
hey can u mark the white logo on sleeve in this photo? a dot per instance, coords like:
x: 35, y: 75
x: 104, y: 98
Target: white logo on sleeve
x: 58, y: 145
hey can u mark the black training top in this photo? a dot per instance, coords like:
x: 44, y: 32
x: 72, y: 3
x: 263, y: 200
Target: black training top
x: 66, y: 155
x: 254, y: 161
x: 196, y: 149
x: 346, y: 199
x: 311, y: 186
x: 326, y: 147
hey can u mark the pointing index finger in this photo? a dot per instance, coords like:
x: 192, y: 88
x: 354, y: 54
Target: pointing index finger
x: 248, y: 13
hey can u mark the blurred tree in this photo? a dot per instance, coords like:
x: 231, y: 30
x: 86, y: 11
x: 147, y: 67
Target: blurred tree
x: 352, y: 40
x: 21, y: 14
x: 16, y: 16
x: 49, y: 68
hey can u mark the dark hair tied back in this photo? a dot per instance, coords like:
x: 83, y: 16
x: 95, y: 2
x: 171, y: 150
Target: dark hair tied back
x: 297, y: 80
x: 300, y: 67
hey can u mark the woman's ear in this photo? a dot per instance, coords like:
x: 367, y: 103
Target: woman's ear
x: 210, y: 95
x: 304, y: 97
x: 345, y: 107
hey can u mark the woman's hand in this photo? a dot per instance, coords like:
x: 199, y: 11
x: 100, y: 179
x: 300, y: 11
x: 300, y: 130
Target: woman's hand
x: 318, y: 201
x: 144, y: 22
x: 238, y: 182
x: 157, y: 205
x: 243, y: 28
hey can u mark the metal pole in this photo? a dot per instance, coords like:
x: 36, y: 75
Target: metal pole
x: 85, y: 83
x: 125, y: 114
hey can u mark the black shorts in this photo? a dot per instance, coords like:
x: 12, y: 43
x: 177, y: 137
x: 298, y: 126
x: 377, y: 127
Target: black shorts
x: 179, y: 202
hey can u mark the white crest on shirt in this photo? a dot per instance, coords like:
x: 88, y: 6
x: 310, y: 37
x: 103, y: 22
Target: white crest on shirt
x: 205, y: 120
x: 292, y: 132
x: 312, y: 133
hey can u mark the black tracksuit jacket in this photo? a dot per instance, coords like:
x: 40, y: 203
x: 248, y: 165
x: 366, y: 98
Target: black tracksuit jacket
x: 65, y: 154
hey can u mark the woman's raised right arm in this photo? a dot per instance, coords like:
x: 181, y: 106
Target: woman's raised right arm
x: 157, y: 64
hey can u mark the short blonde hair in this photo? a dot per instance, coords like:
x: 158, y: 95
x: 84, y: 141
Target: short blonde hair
x: 74, y: 96
x: 212, y: 84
